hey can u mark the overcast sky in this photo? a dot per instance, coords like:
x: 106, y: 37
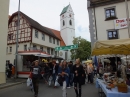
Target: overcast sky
x: 47, y: 12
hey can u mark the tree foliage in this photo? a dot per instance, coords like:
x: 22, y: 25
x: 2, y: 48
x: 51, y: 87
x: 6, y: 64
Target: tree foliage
x: 84, y: 49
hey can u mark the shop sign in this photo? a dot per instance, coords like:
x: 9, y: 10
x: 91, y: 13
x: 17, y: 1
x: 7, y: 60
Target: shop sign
x: 120, y: 23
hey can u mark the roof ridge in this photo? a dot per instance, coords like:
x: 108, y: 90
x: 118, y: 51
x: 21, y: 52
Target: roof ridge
x: 53, y: 29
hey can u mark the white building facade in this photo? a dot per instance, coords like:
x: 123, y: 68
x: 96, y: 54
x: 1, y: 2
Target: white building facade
x: 107, y: 19
x: 4, y: 11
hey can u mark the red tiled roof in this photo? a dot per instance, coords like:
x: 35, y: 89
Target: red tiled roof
x: 57, y: 33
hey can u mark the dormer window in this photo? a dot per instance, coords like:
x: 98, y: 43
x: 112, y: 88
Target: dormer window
x: 63, y: 22
x: 70, y: 22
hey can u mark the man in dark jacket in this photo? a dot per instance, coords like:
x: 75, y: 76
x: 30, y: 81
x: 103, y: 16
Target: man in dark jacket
x: 54, y: 70
x: 36, y: 72
x: 9, y: 69
x: 70, y: 65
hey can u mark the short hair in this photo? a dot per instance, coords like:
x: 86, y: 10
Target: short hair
x: 36, y: 61
x: 71, y: 62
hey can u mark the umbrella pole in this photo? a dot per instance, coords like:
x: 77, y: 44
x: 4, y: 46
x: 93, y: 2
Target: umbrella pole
x: 116, y: 62
x: 126, y: 61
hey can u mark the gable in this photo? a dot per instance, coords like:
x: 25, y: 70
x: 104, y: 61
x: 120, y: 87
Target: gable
x: 34, y: 24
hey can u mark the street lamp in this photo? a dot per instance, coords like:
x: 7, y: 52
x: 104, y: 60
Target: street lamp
x: 18, y: 26
x: 127, y: 13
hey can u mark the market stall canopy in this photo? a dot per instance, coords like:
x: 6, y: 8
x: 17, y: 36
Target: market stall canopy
x: 117, y: 46
x: 106, y: 60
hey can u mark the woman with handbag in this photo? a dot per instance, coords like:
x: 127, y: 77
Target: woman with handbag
x: 63, y: 72
x: 78, y: 77
x: 35, y: 75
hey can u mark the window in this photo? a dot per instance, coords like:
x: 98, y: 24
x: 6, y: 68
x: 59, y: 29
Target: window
x: 56, y: 53
x: 34, y: 47
x: 57, y: 42
x: 41, y: 48
x: 36, y: 34
x: 63, y: 22
x: 110, y: 14
x: 16, y: 23
x: 50, y: 39
x: 48, y: 50
x: 10, y: 50
x: 70, y: 22
x: 112, y: 34
x: 52, y: 51
x: 10, y: 36
x: 25, y: 47
x: 43, y: 36
x: 53, y: 40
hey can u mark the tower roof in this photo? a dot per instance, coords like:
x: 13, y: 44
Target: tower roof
x: 64, y: 9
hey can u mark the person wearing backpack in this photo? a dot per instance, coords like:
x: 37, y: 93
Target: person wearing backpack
x: 35, y: 75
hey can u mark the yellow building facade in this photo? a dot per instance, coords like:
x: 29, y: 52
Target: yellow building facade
x: 4, y: 11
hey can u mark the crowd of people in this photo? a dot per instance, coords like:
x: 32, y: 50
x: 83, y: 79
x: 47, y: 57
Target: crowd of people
x: 73, y: 75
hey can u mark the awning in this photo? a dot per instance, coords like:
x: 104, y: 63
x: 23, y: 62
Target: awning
x: 43, y: 55
x: 117, y: 46
x: 35, y: 54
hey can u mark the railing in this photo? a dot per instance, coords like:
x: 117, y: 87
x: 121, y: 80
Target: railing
x: 35, y: 49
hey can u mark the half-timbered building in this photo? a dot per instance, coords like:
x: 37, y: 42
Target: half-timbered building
x: 33, y: 38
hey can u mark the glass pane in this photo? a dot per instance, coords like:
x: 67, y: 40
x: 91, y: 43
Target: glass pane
x: 114, y: 34
x: 112, y: 12
x: 107, y: 13
x: 110, y: 34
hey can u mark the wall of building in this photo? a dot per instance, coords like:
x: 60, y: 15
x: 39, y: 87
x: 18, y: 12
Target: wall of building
x: 11, y: 55
x: 103, y: 26
x: 92, y: 26
x: 4, y: 11
x: 45, y: 42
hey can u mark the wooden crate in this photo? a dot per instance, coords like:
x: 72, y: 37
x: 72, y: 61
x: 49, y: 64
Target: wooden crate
x: 122, y: 88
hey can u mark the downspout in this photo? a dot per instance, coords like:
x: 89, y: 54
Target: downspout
x: 95, y: 23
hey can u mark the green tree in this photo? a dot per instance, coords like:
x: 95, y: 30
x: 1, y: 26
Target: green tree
x: 84, y: 49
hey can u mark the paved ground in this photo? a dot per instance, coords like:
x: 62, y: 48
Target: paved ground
x: 22, y: 90
x: 12, y: 82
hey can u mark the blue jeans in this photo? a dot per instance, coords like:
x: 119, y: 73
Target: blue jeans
x: 54, y: 77
x: 67, y: 81
x: 71, y: 79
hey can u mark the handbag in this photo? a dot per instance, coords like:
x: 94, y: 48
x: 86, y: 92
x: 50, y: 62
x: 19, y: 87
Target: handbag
x: 60, y: 80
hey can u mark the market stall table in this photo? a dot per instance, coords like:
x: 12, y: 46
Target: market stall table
x: 113, y: 92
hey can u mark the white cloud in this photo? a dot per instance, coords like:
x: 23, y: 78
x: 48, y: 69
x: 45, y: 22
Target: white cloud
x: 47, y: 12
